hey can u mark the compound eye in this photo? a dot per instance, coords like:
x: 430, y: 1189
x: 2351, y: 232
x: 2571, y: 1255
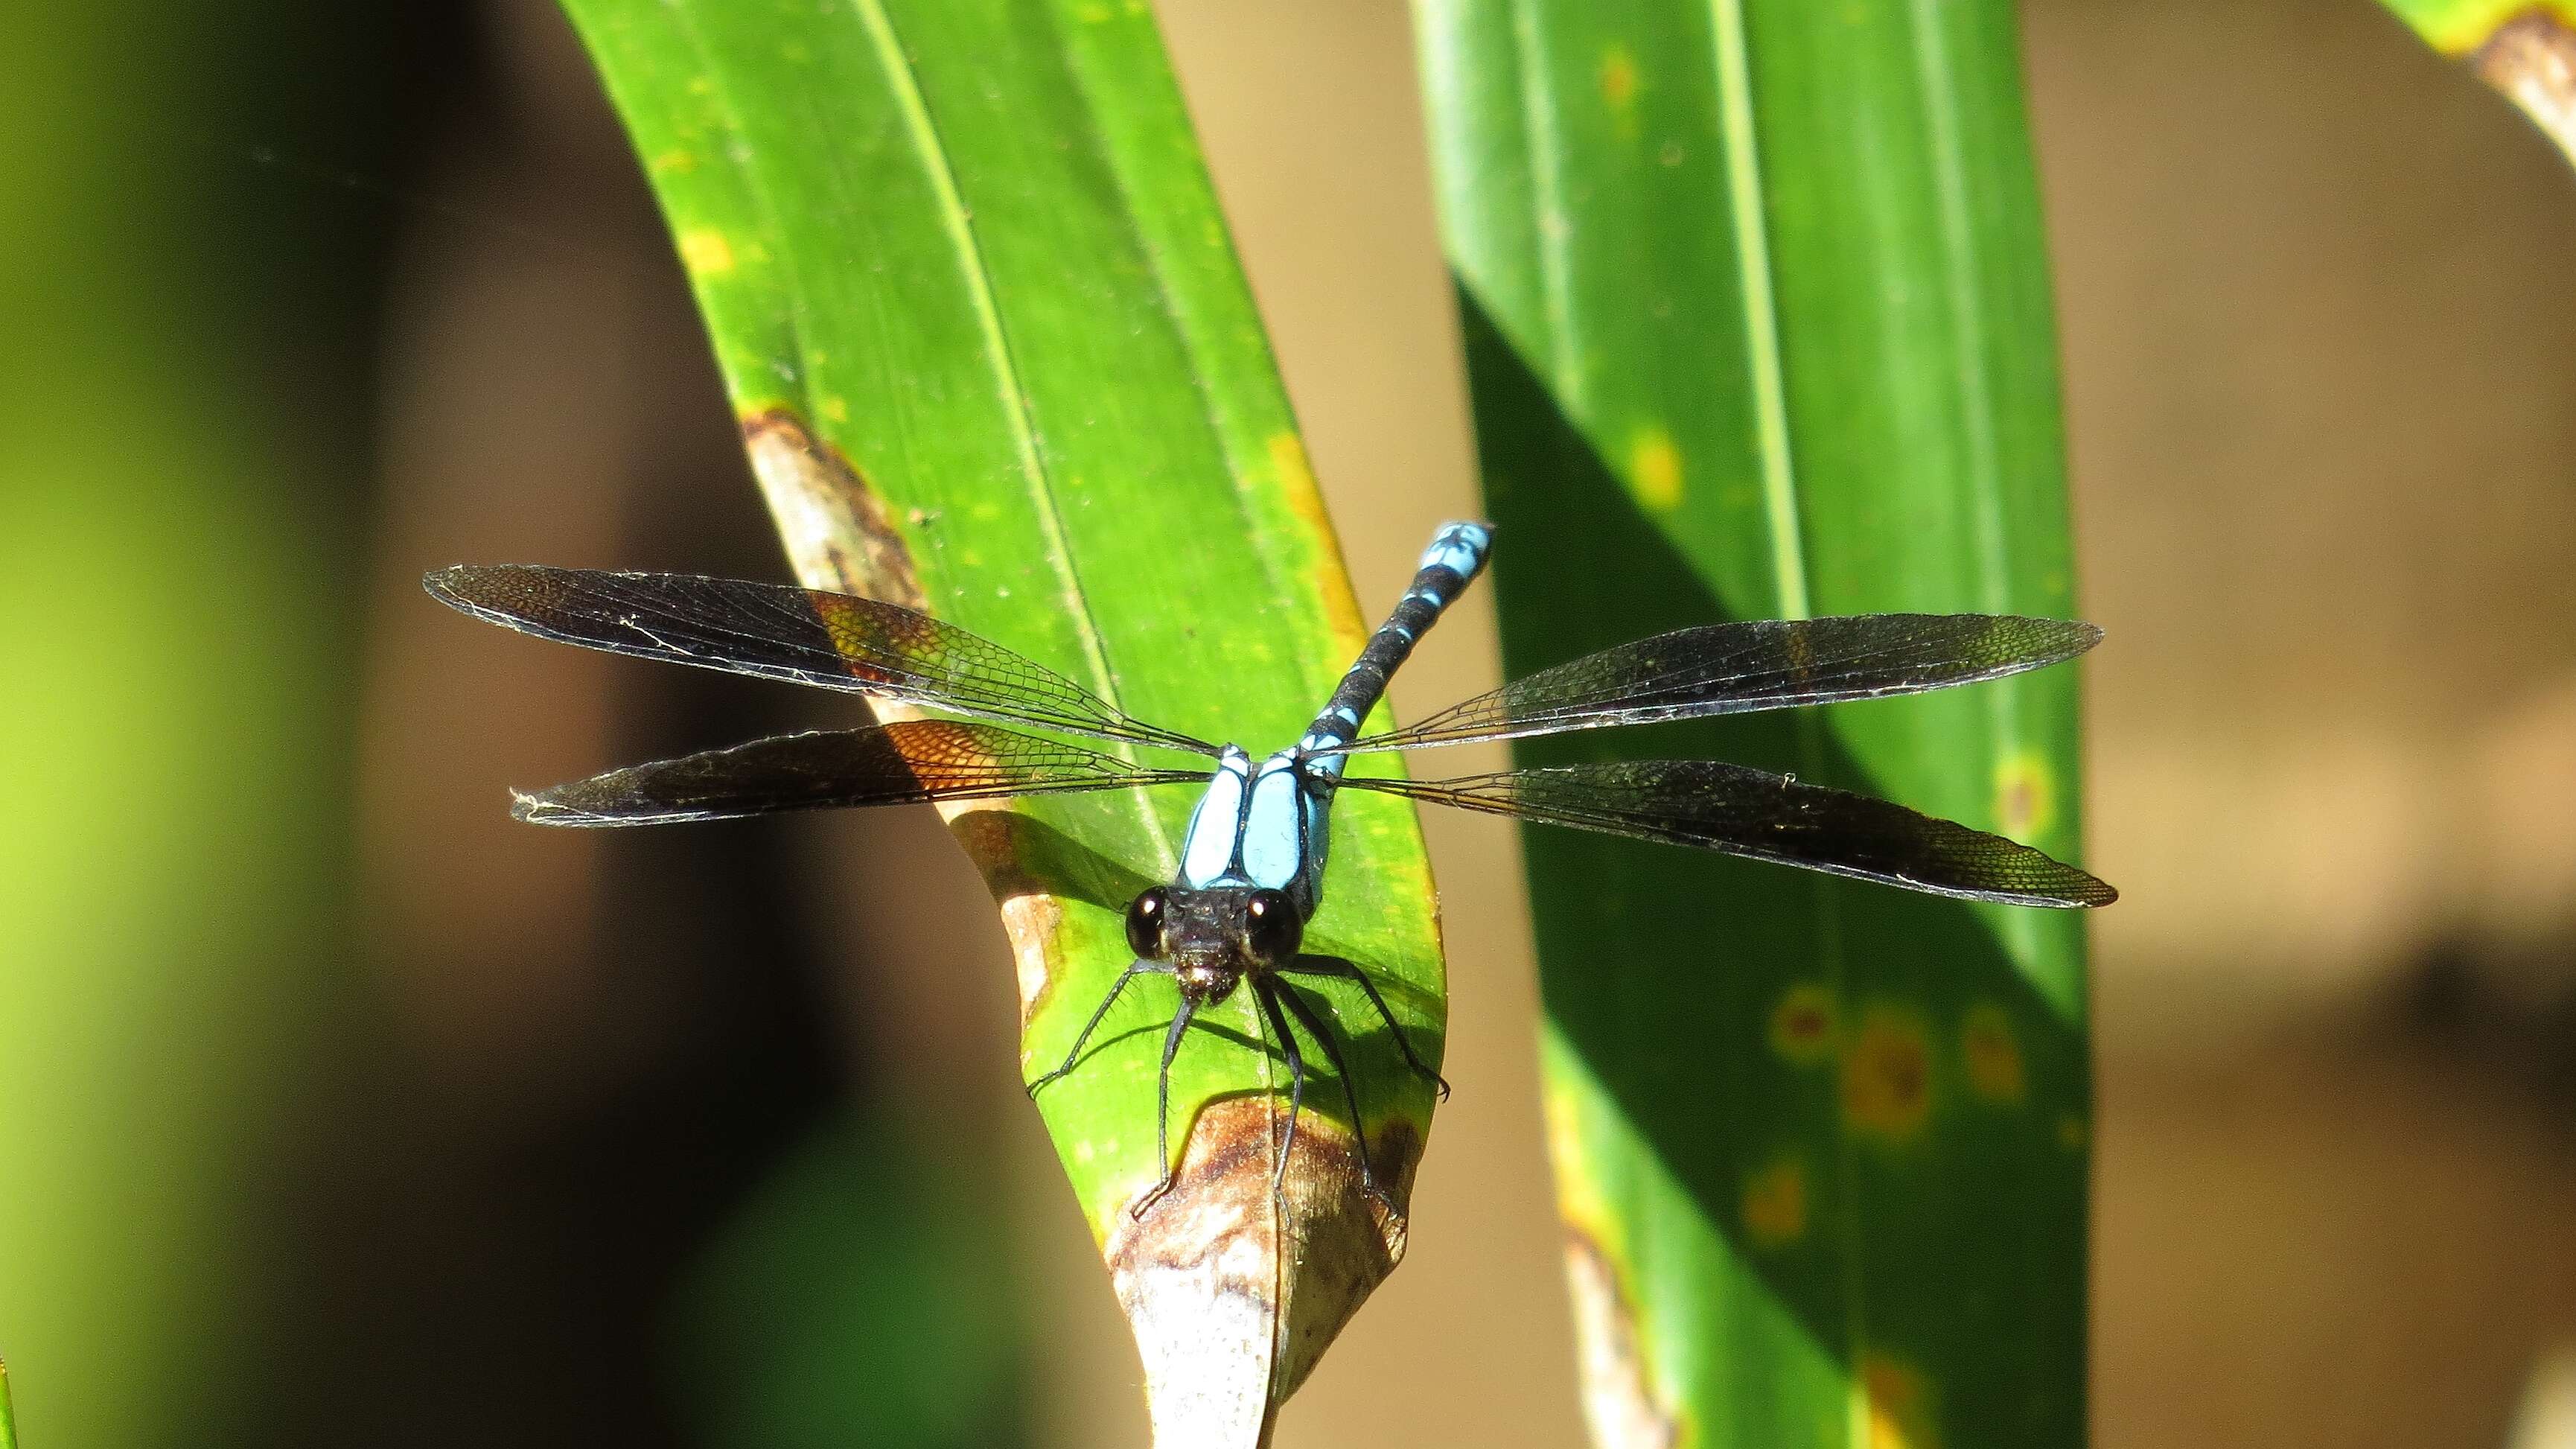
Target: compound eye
x: 1145, y: 916
x: 1271, y: 929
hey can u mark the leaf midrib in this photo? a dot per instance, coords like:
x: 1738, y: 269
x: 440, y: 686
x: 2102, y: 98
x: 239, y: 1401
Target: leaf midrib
x: 1768, y: 375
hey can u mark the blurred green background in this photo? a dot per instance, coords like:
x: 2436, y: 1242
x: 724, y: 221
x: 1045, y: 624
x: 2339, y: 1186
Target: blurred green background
x: 335, y: 1108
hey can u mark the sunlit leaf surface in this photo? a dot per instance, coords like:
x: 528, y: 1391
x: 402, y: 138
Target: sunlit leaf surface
x: 979, y: 315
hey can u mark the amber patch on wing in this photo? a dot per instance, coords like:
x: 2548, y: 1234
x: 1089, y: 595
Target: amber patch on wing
x: 1887, y: 1074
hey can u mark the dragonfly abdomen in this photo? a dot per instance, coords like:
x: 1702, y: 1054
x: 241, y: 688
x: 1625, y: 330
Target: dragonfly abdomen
x: 1456, y: 555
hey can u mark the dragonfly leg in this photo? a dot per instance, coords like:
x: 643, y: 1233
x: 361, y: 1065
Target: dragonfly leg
x: 1305, y: 1012
x: 1336, y: 966
x: 1263, y: 992
x: 1163, y: 1107
x: 1140, y: 968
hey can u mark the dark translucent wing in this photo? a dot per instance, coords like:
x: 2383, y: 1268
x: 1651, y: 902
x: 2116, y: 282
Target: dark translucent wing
x: 779, y: 632
x: 903, y: 763
x: 1769, y: 817
x: 1755, y: 664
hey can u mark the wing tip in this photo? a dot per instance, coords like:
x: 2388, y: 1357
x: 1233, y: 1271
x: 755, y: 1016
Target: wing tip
x: 544, y: 807
x: 468, y: 587
x: 2084, y: 891
x: 445, y: 584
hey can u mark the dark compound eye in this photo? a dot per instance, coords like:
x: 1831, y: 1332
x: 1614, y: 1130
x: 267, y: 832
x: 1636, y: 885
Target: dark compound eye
x: 1271, y: 929
x: 1145, y: 923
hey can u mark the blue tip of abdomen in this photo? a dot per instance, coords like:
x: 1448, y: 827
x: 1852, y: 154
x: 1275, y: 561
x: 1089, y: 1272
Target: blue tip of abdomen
x: 1459, y: 547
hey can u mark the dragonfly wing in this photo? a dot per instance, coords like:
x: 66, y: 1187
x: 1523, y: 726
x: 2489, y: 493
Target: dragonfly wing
x: 898, y: 764
x: 1749, y: 665
x: 775, y: 631
x: 1763, y: 816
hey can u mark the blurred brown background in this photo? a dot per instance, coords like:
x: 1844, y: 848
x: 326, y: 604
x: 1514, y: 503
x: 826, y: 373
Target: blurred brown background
x: 342, y: 1110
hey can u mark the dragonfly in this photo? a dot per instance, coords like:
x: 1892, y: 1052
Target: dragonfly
x: 1251, y: 873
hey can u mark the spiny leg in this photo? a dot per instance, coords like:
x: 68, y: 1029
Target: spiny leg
x: 1139, y: 968
x: 1163, y: 1107
x: 1263, y: 992
x: 1336, y: 966
x: 1296, y: 1001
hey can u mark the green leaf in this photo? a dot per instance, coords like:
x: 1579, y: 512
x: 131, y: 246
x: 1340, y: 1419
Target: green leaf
x: 1758, y: 324
x: 979, y: 315
x: 2525, y: 49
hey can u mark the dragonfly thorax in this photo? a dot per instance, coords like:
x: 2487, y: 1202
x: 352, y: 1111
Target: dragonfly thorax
x: 1262, y: 827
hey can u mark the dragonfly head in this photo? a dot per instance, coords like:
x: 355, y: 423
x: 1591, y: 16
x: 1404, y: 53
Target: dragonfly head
x: 1214, y: 935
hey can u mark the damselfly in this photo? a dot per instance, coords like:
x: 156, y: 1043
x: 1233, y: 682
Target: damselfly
x: 1251, y: 870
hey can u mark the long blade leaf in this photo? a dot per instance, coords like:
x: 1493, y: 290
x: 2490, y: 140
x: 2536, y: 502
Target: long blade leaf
x: 1758, y: 326
x: 993, y: 358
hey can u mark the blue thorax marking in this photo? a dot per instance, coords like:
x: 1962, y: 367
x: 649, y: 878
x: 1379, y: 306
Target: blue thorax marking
x: 1208, y: 850
x: 1260, y: 827
x: 1264, y: 826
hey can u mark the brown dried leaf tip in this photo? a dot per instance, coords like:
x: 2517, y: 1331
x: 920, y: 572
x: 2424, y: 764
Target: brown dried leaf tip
x: 1619, y: 1399
x: 2532, y: 59
x: 838, y: 533
x: 1229, y: 1322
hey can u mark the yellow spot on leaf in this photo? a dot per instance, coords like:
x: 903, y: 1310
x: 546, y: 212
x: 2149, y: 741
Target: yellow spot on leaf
x: 1094, y: 14
x: 1618, y: 78
x: 1802, y: 1025
x: 1775, y: 1203
x: 2025, y: 795
x: 1895, y: 1404
x: 1887, y: 1074
x: 700, y: 85
x: 706, y: 252
x: 2071, y: 1133
x: 836, y: 408
x: 675, y: 162
x: 1655, y: 468
x: 1993, y: 1054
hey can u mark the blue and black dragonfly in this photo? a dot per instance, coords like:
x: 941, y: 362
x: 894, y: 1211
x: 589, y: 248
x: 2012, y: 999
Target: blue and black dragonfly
x: 1252, y: 864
